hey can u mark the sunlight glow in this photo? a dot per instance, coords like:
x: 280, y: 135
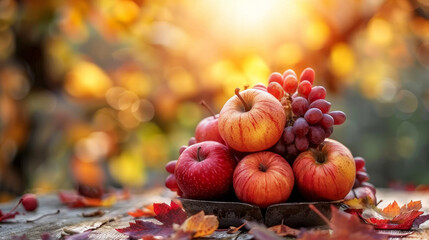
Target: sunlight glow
x: 252, y: 20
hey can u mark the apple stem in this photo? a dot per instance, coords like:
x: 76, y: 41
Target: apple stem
x: 198, y: 154
x: 312, y: 207
x: 262, y: 167
x: 204, y: 104
x: 237, y: 92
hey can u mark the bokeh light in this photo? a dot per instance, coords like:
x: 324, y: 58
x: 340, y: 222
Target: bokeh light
x: 105, y: 92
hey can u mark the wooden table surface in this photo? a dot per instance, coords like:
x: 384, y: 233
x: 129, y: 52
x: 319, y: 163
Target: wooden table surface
x: 70, y: 221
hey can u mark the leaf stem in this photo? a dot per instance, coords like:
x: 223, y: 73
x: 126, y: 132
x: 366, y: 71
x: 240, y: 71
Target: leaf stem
x: 312, y: 207
x: 246, y: 107
x: 45, y: 215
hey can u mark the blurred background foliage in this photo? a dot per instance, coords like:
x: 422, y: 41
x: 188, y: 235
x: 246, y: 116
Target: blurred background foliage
x: 106, y: 91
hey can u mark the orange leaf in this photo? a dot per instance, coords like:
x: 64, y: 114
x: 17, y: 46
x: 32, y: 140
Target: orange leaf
x: 200, y: 225
x: 146, y: 211
x: 391, y: 210
x: 412, y: 205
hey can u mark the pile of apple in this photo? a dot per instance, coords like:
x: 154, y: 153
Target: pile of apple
x: 267, y: 141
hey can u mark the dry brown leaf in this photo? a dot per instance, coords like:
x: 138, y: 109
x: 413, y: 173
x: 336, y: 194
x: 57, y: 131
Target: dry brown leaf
x: 200, y: 225
x: 283, y: 230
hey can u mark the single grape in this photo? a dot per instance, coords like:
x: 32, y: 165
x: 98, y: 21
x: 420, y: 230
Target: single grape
x: 288, y: 135
x: 29, y: 201
x: 171, y: 183
x: 192, y: 141
x: 357, y: 184
x: 290, y: 84
x: 327, y: 121
x: 321, y: 104
x: 362, y: 176
x: 308, y: 74
x: 289, y: 72
x: 291, y: 149
x: 316, y: 134
x: 339, y: 117
x: 276, y: 77
x: 360, y: 163
x: 370, y: 186
x: 328, y: 131
x: 313, y: 115
x: 279, y: 148
x: 170, y: 166
x: 301, y: 143
x: 317, y: 92
x: 299, y: 106
x: 300, y: 127
x: 275, y: 89
x: 182, y: 148
x: 260, y: 86
x: 304, y: 88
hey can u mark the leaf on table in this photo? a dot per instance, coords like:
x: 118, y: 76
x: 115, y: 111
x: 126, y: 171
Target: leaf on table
x: 74, y: 200
x: 8, y: 215
x: 200, y: 225
x: 22, y: 237
x: 420, y: 220
x: 79, y: 236
x: 146, y: 211
x: 390, y: 217
x: 261, y: 232
x: 96, y: 213
x: 283, y: 230
x: 47, y: 236
x: 344, y: 227
x: 166, y: 214
x: 181, y: 235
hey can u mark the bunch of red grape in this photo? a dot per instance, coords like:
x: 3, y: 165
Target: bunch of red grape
x: 362, y: 176
x: 309, y: 119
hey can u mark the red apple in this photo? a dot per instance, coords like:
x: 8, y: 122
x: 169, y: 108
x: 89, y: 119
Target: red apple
x: 207, y: 129
x: 326, y: 173
x: 263, y: 178
x: 204, y: 170
x: 251, y: 121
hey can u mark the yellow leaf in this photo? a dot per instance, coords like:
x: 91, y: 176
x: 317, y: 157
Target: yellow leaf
x: 200, y: 225
x: 360, y: 203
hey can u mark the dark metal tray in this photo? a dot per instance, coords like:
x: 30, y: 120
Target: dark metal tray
x: 293, y: 214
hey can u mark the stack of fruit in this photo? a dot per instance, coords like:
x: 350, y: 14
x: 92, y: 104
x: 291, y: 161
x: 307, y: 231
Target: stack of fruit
x: 265, y: 142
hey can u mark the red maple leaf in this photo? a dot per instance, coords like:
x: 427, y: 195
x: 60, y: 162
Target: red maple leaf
x: 8, y: 215
x: 167, y: 215
x: 391, y: 217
